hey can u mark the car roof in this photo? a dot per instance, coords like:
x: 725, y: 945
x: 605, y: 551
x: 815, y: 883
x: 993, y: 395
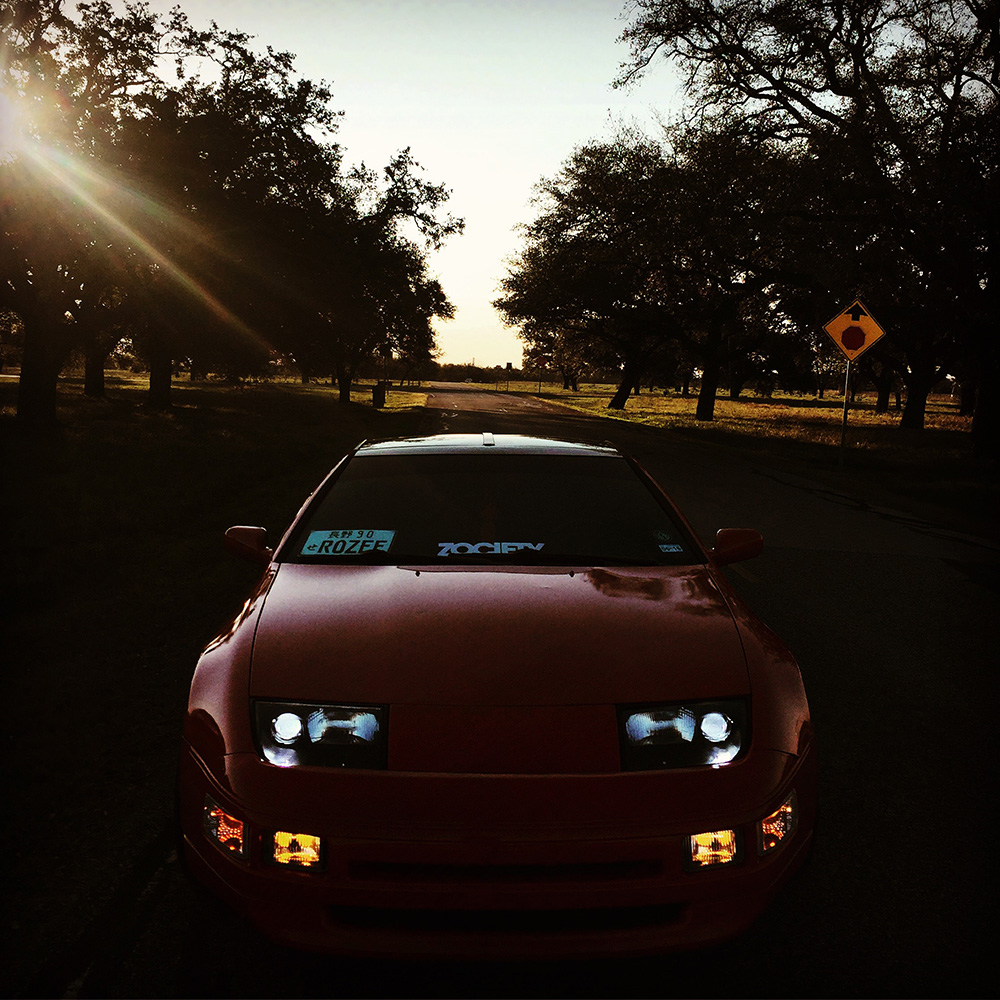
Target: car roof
x: 486, y: 442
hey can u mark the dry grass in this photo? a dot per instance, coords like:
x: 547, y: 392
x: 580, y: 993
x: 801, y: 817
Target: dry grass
x: 802, y: 434
x: 301, y: 427
x: 125, y: 389
x: 767, y: 424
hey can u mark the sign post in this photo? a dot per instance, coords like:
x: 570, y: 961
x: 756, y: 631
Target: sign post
x: 854, y: 330
x: 847, y: 396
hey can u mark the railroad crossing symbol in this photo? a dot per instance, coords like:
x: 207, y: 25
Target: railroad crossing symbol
x: 854, y: 330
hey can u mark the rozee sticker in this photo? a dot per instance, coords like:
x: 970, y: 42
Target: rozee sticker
x: 347, y: 542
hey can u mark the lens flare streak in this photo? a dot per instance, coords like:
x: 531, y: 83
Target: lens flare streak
x: 84, y: 184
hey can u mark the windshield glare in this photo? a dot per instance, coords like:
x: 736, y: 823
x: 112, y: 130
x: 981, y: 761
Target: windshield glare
x: 516, y: 509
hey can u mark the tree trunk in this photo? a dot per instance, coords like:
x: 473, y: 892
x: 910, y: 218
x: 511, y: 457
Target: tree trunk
x: 161, y: 369
x: 620, y: 398
x: 344, y: 380
x: 631, y: 373
x: 915, y: 409
x: 882, y: 400
x: 93, y: 369
x: 705, y: 410
x: 986, y: 419
x: 917, y: 389
x: 968, y: 391
x: 883, y: 382
x: 38, y: 386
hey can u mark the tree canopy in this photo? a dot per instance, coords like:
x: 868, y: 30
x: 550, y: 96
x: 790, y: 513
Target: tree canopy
x: 175, y: 186
x: 825, y: 151
x: 897, y: 100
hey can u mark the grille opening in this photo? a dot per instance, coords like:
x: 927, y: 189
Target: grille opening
x: 391, y: 871
x: 508, y: 921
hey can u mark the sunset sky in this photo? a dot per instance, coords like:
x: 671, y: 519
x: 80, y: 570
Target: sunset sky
x: 491, y: 95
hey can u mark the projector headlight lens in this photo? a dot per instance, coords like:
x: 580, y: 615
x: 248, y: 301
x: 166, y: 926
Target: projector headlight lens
x: 688, y: 734
x: 302, y: 734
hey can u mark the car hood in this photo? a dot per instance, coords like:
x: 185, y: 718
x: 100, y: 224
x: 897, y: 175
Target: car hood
x: 487, y: 636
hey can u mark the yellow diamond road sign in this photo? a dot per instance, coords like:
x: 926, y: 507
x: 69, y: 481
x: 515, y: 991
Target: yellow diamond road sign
x: 854, y: 330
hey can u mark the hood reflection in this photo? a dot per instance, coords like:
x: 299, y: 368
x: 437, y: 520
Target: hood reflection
x: 692, y: 593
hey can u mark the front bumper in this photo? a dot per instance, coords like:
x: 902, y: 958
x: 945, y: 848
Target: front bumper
x: 496, y: 866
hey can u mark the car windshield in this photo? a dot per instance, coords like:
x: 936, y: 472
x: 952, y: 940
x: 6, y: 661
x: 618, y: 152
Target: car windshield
x: 515, y: 509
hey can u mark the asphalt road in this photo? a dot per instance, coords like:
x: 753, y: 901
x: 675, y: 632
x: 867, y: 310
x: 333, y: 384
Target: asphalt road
x: 892, y: 616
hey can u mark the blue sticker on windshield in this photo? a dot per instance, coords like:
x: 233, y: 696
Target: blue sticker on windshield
x: 671, y: 548
x: 347, y: 542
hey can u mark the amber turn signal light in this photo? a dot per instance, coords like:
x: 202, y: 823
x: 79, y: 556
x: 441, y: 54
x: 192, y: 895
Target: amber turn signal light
x: 715, y: 847
x: 774, y: 830
x: 223, y: 829
x: 297, y: 850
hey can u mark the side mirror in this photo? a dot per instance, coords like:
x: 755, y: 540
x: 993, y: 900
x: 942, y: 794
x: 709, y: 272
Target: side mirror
x: 736, y: 544
x: 249, y: 543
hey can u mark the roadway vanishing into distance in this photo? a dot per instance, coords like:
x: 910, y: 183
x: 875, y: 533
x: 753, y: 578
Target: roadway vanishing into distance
x: 891, y: 610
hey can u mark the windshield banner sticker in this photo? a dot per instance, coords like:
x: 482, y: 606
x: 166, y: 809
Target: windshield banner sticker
x: 347, y: 542
x: 486, y: 548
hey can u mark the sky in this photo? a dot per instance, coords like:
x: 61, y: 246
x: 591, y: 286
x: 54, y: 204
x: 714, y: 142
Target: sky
x: 490, y: 95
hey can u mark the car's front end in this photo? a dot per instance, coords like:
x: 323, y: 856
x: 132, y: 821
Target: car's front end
x: 460, y: 757
x: 547, y: 881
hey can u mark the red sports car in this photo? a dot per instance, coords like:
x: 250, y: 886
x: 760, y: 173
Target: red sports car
x: 492, y: 698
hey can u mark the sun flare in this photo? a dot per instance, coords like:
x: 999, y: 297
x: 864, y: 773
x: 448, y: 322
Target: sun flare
x: 10, y: 128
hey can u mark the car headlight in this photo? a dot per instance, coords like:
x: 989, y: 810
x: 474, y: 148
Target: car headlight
x: 691, y: 734
x: 292, y: 734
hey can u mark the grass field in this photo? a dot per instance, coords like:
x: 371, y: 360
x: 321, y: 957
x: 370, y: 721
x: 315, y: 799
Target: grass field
x: 803, y: 434
x: 115, y: 577
x: 291, y: 427
x: 784, y: 419
x: 116, y: 477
